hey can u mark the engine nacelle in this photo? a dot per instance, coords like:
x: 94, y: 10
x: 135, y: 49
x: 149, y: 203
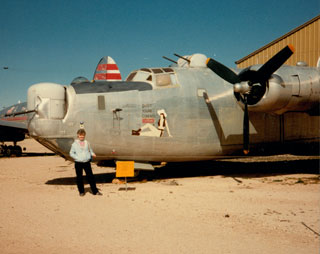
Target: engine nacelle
x: 298, y: 92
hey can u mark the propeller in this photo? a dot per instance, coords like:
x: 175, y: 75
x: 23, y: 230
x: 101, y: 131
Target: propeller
x: 251, y: 84
x: 246, y: 126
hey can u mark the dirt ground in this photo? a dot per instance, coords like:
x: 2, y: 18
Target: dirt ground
x: 190, y: 208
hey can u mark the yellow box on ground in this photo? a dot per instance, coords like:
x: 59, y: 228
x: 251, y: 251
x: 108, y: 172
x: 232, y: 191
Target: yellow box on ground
x: 125, y: 169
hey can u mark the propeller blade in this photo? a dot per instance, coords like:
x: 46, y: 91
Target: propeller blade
x: 253, y: 77
x: 245, y: 127
x: 223, y: 71
x: 275, y: 62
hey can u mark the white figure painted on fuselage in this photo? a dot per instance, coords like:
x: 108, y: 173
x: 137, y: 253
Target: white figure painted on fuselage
x: 149, y: 130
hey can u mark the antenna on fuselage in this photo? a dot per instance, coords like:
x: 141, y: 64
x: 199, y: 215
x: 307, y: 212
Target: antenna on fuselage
x: 170, y: 59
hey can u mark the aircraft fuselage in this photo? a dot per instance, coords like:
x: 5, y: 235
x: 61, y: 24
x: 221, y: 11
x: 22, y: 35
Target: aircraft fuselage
x: 179, y: 114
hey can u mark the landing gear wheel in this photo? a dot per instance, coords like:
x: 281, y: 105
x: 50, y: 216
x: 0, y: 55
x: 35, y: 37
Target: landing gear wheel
x: 18, y: 151
x: 9, y: 151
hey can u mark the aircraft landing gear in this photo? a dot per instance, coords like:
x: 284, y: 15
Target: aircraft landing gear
x: 11, y: 150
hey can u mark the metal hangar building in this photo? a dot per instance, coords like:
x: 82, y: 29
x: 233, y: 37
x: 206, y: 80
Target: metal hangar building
x: 305, y: 39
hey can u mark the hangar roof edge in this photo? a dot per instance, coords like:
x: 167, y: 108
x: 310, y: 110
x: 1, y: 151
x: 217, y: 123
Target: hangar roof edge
x: 278, y: 39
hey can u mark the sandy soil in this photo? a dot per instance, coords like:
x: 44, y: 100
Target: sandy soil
x: 209, y: 212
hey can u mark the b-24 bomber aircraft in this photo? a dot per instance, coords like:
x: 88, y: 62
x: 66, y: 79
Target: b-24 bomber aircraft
x: 197, y: 109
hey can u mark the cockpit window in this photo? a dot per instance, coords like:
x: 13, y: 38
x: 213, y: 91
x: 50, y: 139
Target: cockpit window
x: 157, y: 71
x: 141, y: 76
x: 131, y: 76
x: 145, y: 69
x: 159, y: 78
x: 166, y: 80
x: 167, y: 69
x: 163, y: 80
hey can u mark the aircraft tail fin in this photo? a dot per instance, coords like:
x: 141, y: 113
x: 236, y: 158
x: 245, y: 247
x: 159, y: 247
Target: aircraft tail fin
x: 107, y: 70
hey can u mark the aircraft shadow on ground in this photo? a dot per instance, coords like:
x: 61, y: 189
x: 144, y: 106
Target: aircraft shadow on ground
x: 27, y: 154
x: 37, y: 154
x: 211, y: 168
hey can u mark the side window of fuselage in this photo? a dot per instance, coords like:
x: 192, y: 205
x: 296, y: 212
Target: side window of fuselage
x: 166, y: 80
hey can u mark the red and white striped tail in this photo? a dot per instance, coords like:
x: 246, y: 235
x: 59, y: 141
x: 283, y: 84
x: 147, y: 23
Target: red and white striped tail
x: 107, y: 70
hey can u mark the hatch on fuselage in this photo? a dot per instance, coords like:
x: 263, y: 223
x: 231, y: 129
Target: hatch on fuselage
x: 158, y: 77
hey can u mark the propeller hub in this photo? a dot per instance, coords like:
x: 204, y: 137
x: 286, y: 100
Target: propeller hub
x: 242, y: 88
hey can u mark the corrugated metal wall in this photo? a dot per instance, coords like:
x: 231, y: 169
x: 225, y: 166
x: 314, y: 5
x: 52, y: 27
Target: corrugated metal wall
x: 305, y: 39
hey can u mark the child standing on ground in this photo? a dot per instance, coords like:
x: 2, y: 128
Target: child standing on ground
x: 82, y: 153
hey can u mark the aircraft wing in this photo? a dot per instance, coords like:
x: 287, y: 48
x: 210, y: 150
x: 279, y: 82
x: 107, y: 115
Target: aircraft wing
x: 13, y: 125
x: 12, y: 131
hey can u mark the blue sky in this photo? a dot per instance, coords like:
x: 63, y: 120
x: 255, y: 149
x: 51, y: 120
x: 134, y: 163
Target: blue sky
x: 57, y: 40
